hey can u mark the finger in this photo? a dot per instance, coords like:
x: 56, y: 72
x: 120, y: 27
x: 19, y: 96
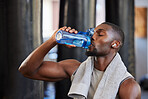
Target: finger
x: 70, y: 46
x: 72, y: 30
x: 75, y: 31
x: 69, y: 28
x: 63, y: 28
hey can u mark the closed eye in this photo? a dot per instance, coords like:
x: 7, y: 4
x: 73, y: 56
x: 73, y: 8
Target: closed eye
x: 101, y: 32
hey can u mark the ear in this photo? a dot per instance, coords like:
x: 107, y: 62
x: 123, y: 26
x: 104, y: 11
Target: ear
x: 115, y: 44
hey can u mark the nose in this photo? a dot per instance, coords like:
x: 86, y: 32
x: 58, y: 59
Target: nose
x: 93, y: 37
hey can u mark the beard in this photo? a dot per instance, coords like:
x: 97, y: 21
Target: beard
x: 91, y: 53
x: 97, y: 53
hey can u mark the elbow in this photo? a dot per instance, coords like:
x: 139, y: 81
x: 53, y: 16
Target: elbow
x: 20, y: 69
x: 23, y: 70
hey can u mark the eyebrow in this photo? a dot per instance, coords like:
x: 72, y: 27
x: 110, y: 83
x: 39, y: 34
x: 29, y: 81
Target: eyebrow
x: 99, y: 30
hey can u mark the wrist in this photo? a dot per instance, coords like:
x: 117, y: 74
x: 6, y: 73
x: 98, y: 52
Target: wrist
x: 52, y: 40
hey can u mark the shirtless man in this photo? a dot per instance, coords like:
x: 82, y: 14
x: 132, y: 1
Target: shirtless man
x: 106, y: 42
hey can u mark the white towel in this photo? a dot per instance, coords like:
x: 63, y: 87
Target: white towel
x: 109, y: 84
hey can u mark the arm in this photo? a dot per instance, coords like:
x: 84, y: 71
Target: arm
x: 35, y: 68
x: 130, y: 89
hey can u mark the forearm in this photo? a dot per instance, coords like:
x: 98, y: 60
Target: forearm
x: 31, y: 64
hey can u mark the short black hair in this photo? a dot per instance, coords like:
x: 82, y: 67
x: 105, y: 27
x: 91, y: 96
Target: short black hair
x: 117, y: 29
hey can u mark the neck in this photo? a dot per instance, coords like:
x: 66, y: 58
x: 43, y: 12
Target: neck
x: 102, y: 62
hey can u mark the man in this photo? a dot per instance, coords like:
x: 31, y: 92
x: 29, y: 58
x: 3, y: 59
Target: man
x: 105, y: 61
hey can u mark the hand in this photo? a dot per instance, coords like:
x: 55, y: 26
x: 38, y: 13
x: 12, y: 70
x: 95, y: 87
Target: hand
x: 67, y: 29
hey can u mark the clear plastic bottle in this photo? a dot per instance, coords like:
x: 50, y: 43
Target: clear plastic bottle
x: 81, y: 39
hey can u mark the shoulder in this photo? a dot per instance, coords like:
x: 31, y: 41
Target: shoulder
x: 130, y: 89
x: 70, y: 65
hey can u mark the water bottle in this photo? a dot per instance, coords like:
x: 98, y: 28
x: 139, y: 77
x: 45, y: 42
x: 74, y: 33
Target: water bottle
x: 81, y: 39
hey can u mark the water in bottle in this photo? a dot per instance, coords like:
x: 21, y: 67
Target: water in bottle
x: 81, y: 39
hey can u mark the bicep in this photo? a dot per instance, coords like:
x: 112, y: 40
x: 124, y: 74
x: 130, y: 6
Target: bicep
x: 55, y: 71
x: 49, y: 71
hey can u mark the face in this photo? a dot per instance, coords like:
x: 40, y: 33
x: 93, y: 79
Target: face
x: 101, y: 41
